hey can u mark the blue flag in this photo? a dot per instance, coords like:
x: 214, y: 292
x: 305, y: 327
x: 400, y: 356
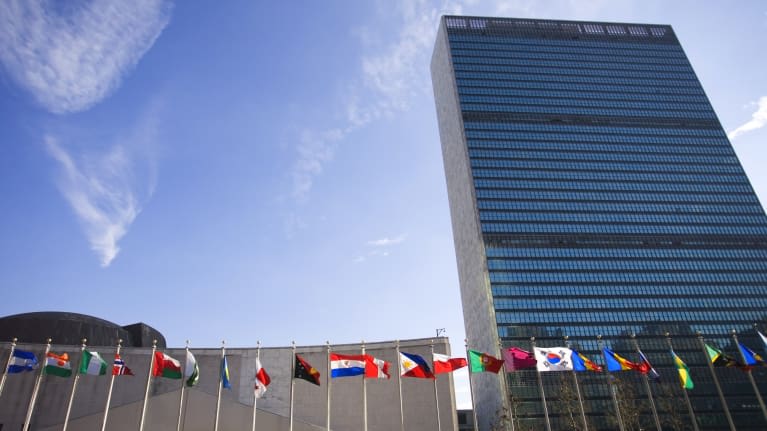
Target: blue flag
x: 752, y: 358
x: 582, y: 363
x: 225, y: 374
x: 22, y: 361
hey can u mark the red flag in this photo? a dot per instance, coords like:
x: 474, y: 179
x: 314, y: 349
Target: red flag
x: 119, y: 368
x: 446, y: 364
x: 262, y: 379
x: 517, y: 359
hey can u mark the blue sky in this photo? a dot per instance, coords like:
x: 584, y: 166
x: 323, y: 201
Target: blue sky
x: 247, y: 171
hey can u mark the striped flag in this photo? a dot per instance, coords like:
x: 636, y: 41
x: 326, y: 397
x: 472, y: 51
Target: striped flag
x: 165, y: 366
x: 582, y: 363
x: 684, y: 372
x: 225, y: 374
x: 119, y: 368
x: 92, y: 364
x: 446, y: 364
x: 618, y: 363
x: 58, y: 365
x: 22, y: 361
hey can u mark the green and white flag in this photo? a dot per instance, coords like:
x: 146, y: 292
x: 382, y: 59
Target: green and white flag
x: 58, y: 365
x: 92, y: 364
x: 191, y: 370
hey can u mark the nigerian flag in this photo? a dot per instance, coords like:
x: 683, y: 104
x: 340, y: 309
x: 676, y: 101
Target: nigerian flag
x: 92, y: 364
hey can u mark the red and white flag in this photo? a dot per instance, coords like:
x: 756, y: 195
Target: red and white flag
x: 119, y: 368
x: 262, y: 379
x: 446, y: 364
x: 376, y: 368
x: 165, y: 366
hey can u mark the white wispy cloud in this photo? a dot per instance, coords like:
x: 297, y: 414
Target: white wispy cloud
x: 314, y: 150
x: 397, y: 73
x: 385, y: 242
x: 107, y: 191
x: 70, y: 55
x: 757, y: 121
x: 391, y: 76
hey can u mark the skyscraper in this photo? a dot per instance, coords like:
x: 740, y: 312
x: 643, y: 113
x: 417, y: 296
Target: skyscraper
x: 593, y: 192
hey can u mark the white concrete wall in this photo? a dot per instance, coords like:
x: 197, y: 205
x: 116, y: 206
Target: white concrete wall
x: 310, y: 401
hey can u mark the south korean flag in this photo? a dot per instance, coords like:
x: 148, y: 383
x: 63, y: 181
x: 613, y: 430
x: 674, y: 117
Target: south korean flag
x: 553, y: 358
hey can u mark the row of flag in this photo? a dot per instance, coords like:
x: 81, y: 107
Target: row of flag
x: 341, y: 365
x: 544, y: 359
x: 60, y: 365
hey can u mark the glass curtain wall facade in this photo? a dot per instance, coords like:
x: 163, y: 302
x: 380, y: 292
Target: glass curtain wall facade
x: 593, y: 192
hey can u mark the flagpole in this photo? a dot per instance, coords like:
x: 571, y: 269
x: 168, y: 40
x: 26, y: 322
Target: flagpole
x: 328, y: 378
x: 436, y: 394
x: 148, y: 382
x: 540, y: 386
x: 750, y: 376
x: 74, y: 385
x: 37, y: 386
x: 183, y: 383
x: 505, y: 391
x: 716, y: 382
x: 399, y: 383
x: 609, y: 376
x: 646, y: 381
x: 364, y: 396
x: 255, y: 397
x: 471, y: 387
x: 577, y: 388
x: 8, y: 365
x: 220, y: 384
x: 111, y: 385
x: 684, y: 391
x: 292, y: 384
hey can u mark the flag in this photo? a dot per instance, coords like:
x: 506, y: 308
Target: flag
x: 225, y: 373
x: 22, y: 361
x: 376, y: 368
x: 91, y: 363
x: 764, y: 339
x: 684, y: 372
x: 119, y: 368
x: 191, y: 370
x: 618, y: 363
x: 517, y: 359
x: 304, y: 371
x: 411, y: 365
x: 165, y: 366
x: 583, y: 363
x: 752, y: 358
x: 347, y: 365
x: 721, y: 359
x: 482, y: 362
x: 58, y: 365
x: 446, y: 364
x: 646, y: 368
x: 553, y: 358
x: 262, y: 379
